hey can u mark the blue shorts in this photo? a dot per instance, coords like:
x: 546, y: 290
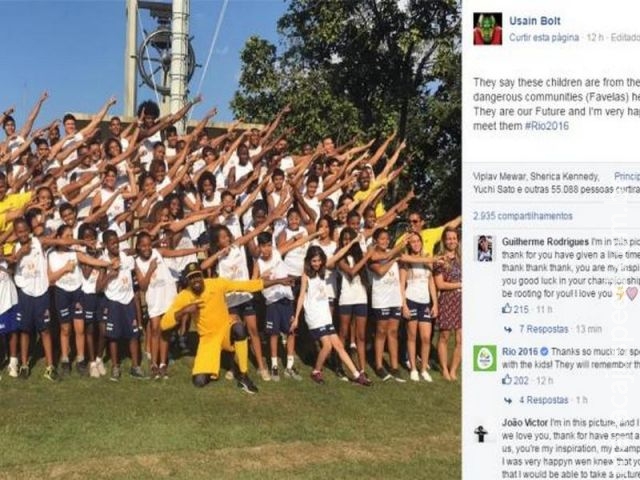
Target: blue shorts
x: 33, y: 312
x: 357, y: 310
x: 8, y: 322
x: 318, y: 333
x: 384, y: 314
x: 90, y: 307
x: 419, y: 311
x: 120, y: 321
x: 68, y: 304
x: 279, y: 317
x: 102, y: 310
x: 245, y: 309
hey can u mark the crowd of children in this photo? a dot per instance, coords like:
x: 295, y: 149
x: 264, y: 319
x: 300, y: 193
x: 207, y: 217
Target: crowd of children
x: 100, y: 233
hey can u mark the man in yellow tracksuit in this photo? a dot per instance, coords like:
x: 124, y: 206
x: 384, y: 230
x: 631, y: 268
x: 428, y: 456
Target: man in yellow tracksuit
x: 204, y: 301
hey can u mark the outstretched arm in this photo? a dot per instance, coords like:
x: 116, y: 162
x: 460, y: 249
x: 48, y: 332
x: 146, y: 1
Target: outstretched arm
x: 33, y: 115
x: 95, y: 121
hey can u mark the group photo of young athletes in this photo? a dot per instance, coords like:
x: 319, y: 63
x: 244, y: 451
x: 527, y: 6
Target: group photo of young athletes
x: 125, y: 249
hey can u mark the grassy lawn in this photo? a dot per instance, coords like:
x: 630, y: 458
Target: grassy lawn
x: 87, y: 428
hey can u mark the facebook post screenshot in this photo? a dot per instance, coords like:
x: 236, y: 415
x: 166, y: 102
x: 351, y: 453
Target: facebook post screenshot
x: 551, y: 257
x: 231, y: 239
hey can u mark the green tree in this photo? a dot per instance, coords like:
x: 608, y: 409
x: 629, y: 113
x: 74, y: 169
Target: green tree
x: 368, y: 67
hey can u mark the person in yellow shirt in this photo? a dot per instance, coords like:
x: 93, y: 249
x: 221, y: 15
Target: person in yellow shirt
x: 368, y: 188
x: 11, y: 207
x: 430, y: 236
x: 204, y: 301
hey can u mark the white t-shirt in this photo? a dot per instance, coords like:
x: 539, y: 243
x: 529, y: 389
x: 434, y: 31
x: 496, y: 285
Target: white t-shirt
x: 353, y: 291
x: 243, y: 170
x: 316, y: 303
x: 417, y: 289
x: 294, y: 259
x: 146, y: 149
x: 314, y: 204
x: 162, y: 287
x: 272, y: 269
x: 69, y: 282
x: 8, y: 293
x: 120, y: 289
x: 31, y: 271
x: 177, y: 264
x: 286, y: 163
x: 331, y: 276
x: 166, y: 181
x: 232, y: 162
x: 89, y: 283
x: 280, y: 223
x: 77, y: 138
x: 385, y: 290
x: 233, y: 224
x: 15, y: 143
x: 214, y: 201
x: 234, y: 267
x: 117, y: 207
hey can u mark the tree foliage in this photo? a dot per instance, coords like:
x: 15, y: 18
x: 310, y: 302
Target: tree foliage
x: 367, y: 67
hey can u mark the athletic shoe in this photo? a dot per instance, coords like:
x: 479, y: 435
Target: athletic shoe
x: 264, y: 375
x: 82, y: 368
x: 155, y: 372
x: 51, y: 373
x: 414, y: 376
x: 426, y: 377
x: 13, y: 371
x: 245, y: 383
x: 275, y: 375
x: 65, y: 369
x: 317, y: 377
x: 24, y: 372
x: 363, y: 380
x: 93, y: 370
x: 395, y: 373
x: 383, y: 374
x: 115, y: 374
x: 229, y: 375
x: 340, y: 373
x: 137, y: 372
x: 292, y: 373
x: 100, y: 366
x: 164, y: 371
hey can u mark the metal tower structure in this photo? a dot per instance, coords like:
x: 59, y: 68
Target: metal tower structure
x: 165, y: 59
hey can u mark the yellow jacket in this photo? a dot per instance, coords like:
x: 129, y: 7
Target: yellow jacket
x: 213, y: 318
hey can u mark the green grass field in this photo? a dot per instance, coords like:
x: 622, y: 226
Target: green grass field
x: 136, y: 429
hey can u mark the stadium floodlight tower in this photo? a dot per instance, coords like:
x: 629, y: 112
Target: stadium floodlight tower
x: 164, y: 59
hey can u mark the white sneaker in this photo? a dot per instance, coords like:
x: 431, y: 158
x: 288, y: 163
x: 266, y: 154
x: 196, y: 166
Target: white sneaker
x: 264, y: 375
x: 100, y: 366
x: 229, y: 375
x: 426, y: 377
x: 93, y: 370
x: 13, y: 371
x: 414, y: 376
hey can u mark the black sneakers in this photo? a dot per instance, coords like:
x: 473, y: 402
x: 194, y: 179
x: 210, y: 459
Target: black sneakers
x: 245, y: 383
x: 65, y: 369
x: 395, y: 374
x: 383, y: 374
x: 23, y: 373
x: 82, y: 368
